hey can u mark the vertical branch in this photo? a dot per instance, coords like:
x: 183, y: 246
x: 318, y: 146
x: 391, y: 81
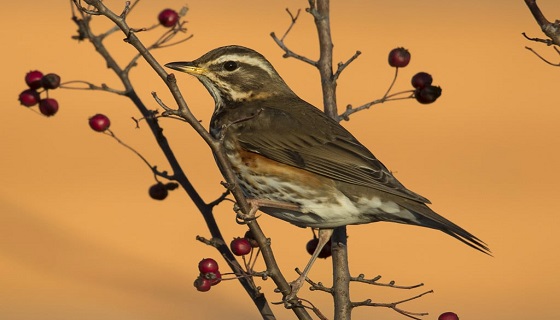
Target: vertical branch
x: 320, y: 10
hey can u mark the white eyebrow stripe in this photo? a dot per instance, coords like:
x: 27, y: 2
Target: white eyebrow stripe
x: 250, y: 60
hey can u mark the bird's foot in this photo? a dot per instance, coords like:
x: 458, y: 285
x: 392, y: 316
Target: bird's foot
x: 242, y: 218
x: 291, y: 298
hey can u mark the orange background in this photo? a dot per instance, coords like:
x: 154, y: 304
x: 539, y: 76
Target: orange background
x: 81, y: 239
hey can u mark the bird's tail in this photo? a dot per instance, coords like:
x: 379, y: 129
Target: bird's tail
x: 426, y: 217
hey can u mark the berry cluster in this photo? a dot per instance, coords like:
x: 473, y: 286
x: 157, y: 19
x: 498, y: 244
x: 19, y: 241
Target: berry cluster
x: 424, y: 91
x: 35, y: 80
x: 209, y: 275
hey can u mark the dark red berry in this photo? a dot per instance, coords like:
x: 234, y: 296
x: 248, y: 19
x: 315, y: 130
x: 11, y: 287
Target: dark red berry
x: 50, y: 81
x: 249, y: 236
x: 207, y: 265
x: 202, y: 284
x: 240, y: 246
x: 427, y: 95
x: 29, y: 97
x: 448, y: 316
x: 325, y: 252
x: 168, y: 18
x: 33, y: 79
x: 99, y: 122
x: 158, y: 191
x: 214, y: 277
x: 399, y: 57
x: 48, y: 106
x: 421, y: 80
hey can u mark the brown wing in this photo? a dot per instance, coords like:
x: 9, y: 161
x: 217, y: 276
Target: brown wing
x: 314, y: 142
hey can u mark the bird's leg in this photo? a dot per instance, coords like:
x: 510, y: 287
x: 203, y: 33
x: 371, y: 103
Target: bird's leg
x: 324, y: 237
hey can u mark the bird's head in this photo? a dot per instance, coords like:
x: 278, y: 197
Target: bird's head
x: 235, y: 74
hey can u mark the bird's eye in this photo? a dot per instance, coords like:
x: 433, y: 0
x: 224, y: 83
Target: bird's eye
x: 230, y: 65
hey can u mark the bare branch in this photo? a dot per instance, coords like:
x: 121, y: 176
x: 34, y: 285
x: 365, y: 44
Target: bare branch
x: 395, y: 305
x: 375, y: 281
x: 543, y: 58
x: 408, y: 94
x: 547, y: 41
x: 90, y: 86
x: 294, y: 19
x: 342, y: 66
x: 280, y: 42
x: 289, y: 53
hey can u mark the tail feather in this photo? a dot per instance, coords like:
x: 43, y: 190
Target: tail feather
x: 426, y: 217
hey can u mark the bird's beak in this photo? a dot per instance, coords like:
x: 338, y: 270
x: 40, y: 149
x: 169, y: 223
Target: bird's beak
x: 186, y: 66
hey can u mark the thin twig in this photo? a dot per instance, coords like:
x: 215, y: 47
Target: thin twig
x: 392, y: 97
x: 294, y: 19
x: 280, y: 42
x: 90, y: 86
x: 375, y: 281
x: 394, y: 305
x: 342, y: 66
x: 544, y: 59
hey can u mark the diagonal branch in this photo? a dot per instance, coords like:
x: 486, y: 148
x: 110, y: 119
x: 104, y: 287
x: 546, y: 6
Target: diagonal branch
x: 205, y: 209
x: 280, y: 42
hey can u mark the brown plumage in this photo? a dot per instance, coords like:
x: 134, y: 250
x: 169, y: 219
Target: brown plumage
x: 296, y: 163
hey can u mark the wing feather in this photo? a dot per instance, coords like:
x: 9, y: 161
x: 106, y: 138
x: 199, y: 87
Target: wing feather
x: 320, y: 145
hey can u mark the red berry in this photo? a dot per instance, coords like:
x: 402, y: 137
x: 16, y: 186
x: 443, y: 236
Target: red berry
x: 29, y: 97
x: 50, y: 81
x: 202, y: 284
x: 158, y: 191
x: 448, y: 316
x: 48, y: 106
x: 207, y: 265
x: 99, y: 122
x: 325, y: 252
x: 421, y: 80
x: 168, y: 18
x: 249, y: 236
x: 214, y: 277
x: 33, y: 79
x: 399, y: 57
x: 240, y: 246
x: 427, y: 95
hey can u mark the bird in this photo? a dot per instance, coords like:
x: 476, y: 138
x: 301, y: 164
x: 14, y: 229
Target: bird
x: 294, y: 162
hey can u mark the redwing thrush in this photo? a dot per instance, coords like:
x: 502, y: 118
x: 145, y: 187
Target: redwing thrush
x: 295, y: 163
